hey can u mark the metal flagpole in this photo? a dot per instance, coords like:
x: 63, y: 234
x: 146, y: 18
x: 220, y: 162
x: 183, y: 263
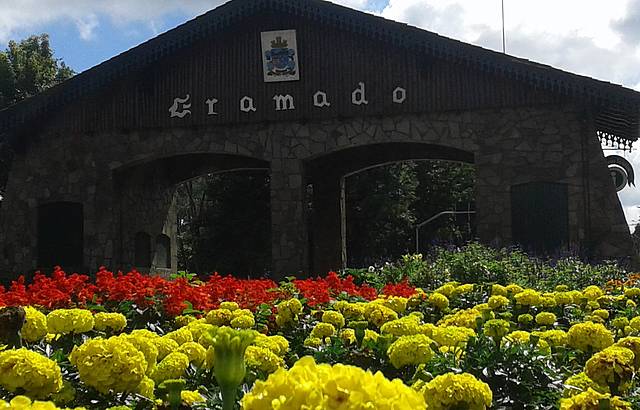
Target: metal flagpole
x: 504, y: 42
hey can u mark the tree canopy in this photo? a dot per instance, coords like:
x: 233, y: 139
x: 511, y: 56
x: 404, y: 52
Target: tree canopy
x: 27, y: 68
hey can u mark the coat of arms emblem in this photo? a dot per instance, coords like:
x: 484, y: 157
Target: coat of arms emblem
x: 280, y: 56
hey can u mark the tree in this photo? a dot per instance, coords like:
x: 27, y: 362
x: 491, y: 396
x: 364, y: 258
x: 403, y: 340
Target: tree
x: 26, y: 68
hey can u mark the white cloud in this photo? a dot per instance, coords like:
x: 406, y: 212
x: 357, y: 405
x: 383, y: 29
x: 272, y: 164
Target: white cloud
x: 22, y: 15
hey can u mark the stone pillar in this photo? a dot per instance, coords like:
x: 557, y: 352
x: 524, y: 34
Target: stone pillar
x: 327, y: 225
x: 289, y: 242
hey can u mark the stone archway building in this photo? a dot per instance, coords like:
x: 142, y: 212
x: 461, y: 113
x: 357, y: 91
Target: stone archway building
x: 116, y: 139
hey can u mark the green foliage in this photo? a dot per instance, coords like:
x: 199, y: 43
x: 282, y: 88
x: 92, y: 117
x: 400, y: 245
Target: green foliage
x: 27, y: 68
x: 224, y: 224
x: 477, y: 263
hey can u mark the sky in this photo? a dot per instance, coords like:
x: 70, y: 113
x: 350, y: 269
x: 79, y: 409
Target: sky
x: 597, y: 38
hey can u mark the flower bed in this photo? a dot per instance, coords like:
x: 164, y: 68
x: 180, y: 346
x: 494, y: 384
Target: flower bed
x: 135, y: 341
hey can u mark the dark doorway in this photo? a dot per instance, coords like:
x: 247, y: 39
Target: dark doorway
x: 60, y: 235
x: 540, y: 216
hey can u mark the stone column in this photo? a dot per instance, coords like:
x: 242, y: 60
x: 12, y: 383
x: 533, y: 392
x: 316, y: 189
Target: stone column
x: 289, y: 242
x: 327, y: 224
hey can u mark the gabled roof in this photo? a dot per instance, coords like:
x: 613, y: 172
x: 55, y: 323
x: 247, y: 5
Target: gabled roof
x: 618, y: 107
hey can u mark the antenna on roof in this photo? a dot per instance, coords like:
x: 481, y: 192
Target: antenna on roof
x: 504, y: 42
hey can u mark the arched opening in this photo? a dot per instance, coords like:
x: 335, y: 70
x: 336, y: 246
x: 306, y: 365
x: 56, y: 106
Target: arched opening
x: 345, y: 182
x: 224, y: 223
x: 405, y: 207
x: 142, y: 258
x: 207, y: 212
x: 60, y: 235
x: 162, y: 257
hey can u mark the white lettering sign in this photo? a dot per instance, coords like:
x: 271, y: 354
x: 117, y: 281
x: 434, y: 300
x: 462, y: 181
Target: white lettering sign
x: 399, y: 95
x: 246, y: 104
x: 180, y: 108
x: 358, y: 96
x: 320, y: 99
x: 212, y: 106
x: 284, y: 102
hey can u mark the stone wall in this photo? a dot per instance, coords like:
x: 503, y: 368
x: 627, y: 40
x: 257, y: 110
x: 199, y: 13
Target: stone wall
x: 508, y: 147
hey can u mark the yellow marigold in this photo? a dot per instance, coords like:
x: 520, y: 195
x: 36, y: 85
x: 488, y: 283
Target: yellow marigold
x: 322, y: 386
x: 165, y: 346
x: 146, y: 388
x: 464, y: 318
x: 635, y: 323
x: 291, y: 307
x: 446, y: 289
x: 631, y: 304
x: 632, y: 293
x: 348, y: 336
x: 199, y: 328
x: 561, y: 288
x: 554, y: 337
x: 514, y: 289
x: 194, y: 351
x: 241, y: 312
x: 528, y: 297
x: 180, y: 336
x: 614, y: 361
x: 109, y: 364
x: 243, y: 322
x: 34, y: 373
x: 409, y: 350
x: 396, y: 303
x: 438, y: 300
x: 351, y: 311
x: 620, y: 322
x: 335, y: 318
x: 589, y: 336
x: 65, y: 321
x: 463, y: 289
x: 277, y: 344
x: 563, y: 298
x: 262, y: 359
x: 603, y: 313
x: 323, y: 330
x: 592, y: 292
x: 499, y: 290
x: 379, y: 314
x: 146, y: 346
x: 312, y: 342
x: 25, y: 403
x: 498, y: 302
x: 591, y: 399
x: 453, y: 336
x: 190, y: 397
x: 171, y: 367
x: 35, y: 325
x: 579, y: 383
x: 112, y: 321
x: 229, y: 306
x: 219, y: 317
x: 456, y: 391
x: 496, y: 328
x: 545, y: 318
x: 408, y: 325
x: 632, y: 343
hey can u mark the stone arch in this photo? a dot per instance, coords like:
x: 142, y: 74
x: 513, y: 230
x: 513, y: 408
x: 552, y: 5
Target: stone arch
x: 327, y: 175
x: 145, y: 190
